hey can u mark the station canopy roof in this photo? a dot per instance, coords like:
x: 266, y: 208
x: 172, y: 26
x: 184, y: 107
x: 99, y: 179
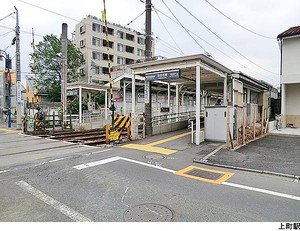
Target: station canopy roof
x: 211, y: 70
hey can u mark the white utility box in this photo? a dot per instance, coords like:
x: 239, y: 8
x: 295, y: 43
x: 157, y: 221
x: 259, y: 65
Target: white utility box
x: 215, y: 122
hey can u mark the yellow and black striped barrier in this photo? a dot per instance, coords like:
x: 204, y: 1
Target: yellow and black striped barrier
x: 121, y: 122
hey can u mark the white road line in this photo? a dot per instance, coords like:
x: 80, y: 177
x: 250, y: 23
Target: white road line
x: 96, y: 163
x: 262, y: 191
x: 52, y: 161
x: 105, y: 161
x: 75, y: 216
x: 148, y: 165
x: 3, y: 171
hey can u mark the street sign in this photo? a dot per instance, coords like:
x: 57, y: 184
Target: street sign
x: 19, y: 95
x: 174, y: 74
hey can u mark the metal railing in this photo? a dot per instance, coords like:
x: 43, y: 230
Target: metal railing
x: 172, y: 118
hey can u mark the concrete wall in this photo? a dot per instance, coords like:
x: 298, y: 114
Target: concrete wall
x: 291, y: 60
x: 293, y: 99
x: 164, y: 128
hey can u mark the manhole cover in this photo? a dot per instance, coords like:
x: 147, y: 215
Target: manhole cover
x: 154, y: 157
x: 149, y: 213
x: 204, y: 174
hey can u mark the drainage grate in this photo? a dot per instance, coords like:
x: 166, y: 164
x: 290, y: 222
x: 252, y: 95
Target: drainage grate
x: 149, y: 213
x: 204, y: 174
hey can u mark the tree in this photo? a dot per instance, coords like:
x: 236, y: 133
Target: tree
x: 49, y: 65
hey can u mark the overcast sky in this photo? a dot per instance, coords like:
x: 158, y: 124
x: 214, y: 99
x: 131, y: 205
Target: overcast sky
x: 254, y: 55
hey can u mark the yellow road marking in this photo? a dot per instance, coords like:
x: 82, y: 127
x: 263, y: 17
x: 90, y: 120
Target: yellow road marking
x: 169, y: 139
x: 226, y: 175
x: 149, y: 148
x: 7, y: 130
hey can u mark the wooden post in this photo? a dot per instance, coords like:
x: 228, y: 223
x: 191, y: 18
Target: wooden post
x: 53, y: 120
x: 254, y: 120
x: 262, y: 119
x: 243, y: 125
x: 107, y: 131
x: 71, y: 127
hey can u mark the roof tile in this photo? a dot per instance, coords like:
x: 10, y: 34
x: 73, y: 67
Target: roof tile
x: 290, y: 32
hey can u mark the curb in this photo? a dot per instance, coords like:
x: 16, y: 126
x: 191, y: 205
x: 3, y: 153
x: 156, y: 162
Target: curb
x: 294, y: 177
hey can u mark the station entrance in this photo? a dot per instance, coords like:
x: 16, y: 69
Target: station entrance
x: 197, y: 74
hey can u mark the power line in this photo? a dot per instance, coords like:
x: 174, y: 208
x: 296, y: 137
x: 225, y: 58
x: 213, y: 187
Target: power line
x: 245, y: 28
x: 167, y: 45
x: 164, y: 51
x: 168, y: 31
x: 7, y: 16
x: 135, y: 18
x: 184, y: 27
x: 49, y: 11
x: 203, y: 40
x: 225, y: 54
x: 223, y: 39
x: 22, y: 31
x: 2, y: 35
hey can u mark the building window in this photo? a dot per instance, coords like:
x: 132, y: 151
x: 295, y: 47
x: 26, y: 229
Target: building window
x: 105, y: 70
x: 95, y: 70
x: 82, y: 43
x: 96, y: 41
x: 82, y: 29
x: 120, y: 60
x: 96, y: 55
x: 120, y: 47
x: 110, y: 43
x: 105, y: 57
x: 129, y: 49
x: 140, y: 52
x: 109, y: 30
x: 120, y: 34
x: 81, y: 71
x: 141, y: 41
x: 129, y: 37
x: 129, y: 61
x: 96, y: 27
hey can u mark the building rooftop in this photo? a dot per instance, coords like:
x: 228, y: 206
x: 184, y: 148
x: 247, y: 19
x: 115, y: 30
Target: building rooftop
x: 290, y: 32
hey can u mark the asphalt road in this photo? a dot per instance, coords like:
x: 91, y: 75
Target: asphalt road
x: 53, y: 181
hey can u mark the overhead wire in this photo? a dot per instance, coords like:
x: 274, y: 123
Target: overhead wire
x: 164, y: 43
x: 168, y: 31
x: 53, y: 12
x: 7, y: 16
x: 249, y: 60
x: 135, y: 18
x: 2, y: 35
x: 203, y: 39
x: 225, y: 54
x: 184, y: 28
x: 245, y: 28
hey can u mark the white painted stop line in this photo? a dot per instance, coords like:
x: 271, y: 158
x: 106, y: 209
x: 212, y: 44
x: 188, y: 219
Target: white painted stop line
x: 112, y: 159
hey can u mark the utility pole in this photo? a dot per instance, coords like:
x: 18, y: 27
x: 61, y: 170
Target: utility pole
x: 148, y: 57
x: 18, y: 71
x: 64, y: 71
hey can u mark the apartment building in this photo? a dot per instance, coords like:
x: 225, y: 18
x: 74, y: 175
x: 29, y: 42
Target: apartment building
x: 126, y: 46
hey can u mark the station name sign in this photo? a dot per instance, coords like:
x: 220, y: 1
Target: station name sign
x: 174, y: 74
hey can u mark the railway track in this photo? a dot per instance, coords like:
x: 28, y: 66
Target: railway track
x: 93, y: 137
